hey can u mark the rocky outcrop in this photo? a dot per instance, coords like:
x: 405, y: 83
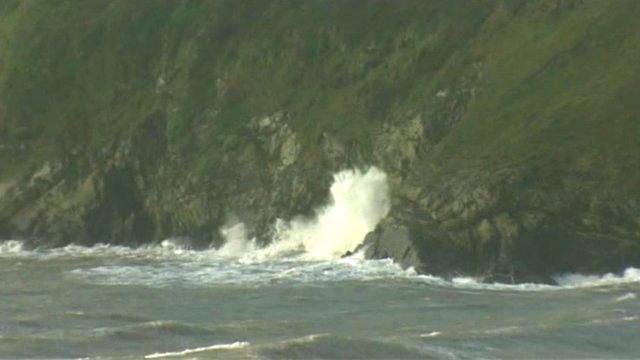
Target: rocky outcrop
x: 134, y: 191
x: 397, y: 242
x: 512, y: 230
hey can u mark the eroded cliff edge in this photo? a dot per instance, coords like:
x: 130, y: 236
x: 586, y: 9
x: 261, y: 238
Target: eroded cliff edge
x: 510, y: 130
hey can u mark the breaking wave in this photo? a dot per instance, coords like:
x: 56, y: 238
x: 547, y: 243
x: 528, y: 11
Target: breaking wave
x: 11, y: 247
x: 167, y: 249
x: 359, y: 200
x: 235, y: 345
x: 169, y: 265
x: 578, y: 280
x: 564, y: 281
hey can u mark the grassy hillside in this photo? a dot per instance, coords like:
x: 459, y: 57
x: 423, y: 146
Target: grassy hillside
x: 546, y: 77
x: 562, y: 86
x: 78, y: 73
x: 124, y: 120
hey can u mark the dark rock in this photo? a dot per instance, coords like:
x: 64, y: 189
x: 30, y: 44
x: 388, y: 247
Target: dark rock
x: 394, y: 242
x: 5, y: 230
x: 434, y: 250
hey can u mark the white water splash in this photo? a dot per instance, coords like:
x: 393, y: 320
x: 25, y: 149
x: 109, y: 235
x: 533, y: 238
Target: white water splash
x: 167, y: 249
x: 564, y: 281
x: 578, y: 280
x: 237, y: 243
x: 359, y: 200
x: 11, y: 247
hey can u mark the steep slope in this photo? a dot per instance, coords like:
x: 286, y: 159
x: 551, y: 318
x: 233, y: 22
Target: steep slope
x: 509, y: 129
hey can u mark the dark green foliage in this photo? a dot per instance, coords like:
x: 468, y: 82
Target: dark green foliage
x: 542, y: 78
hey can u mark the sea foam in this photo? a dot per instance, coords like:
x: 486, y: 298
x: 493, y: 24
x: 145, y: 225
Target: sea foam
x: 11, y: 247
x: 358, y: 201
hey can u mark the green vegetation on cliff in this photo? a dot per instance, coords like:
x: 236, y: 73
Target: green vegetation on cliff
x: 545, y: 77
x: 130, y: 121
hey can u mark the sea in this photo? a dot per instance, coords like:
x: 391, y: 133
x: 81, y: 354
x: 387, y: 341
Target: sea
x: 297, y: 298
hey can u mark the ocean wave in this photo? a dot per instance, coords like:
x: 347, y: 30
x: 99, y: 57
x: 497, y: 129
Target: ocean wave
x: 172, y: 264
x: 231, y: 346
x: 304, y: 339
x: 326, y: 346
x: 564, y: 281
x: 578, y: 280
x: 626, y: 297
x: 220, y: 271
x: 167, y: 249
x: 109, y: 316
x: 150, y: 329
x: 431, y: 334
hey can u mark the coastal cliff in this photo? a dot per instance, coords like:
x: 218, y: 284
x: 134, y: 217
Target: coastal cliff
x: 509, y: 130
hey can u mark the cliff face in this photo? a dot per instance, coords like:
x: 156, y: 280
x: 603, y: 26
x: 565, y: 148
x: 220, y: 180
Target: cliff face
x: 510, y: 130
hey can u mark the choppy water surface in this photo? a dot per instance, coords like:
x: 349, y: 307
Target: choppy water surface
x: 164, y: 301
